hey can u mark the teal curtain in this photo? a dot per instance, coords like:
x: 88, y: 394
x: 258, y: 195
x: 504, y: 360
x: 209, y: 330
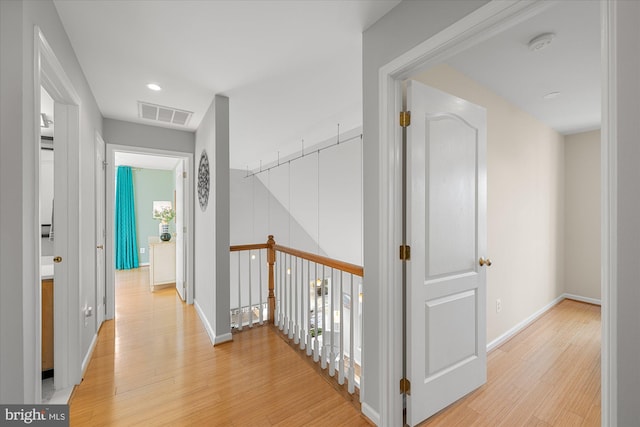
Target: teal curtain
x: 125, y: 222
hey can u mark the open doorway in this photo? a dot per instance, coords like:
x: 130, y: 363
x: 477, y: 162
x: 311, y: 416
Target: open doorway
x: 149, y: 219
x: 529, y: 209
x: 47, y: 176
x: 53, y: 89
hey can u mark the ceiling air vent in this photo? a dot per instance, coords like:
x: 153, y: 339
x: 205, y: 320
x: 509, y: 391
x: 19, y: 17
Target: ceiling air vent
x: 163, y: 114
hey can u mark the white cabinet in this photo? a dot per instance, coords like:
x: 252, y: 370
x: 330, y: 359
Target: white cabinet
x: 162, y: 263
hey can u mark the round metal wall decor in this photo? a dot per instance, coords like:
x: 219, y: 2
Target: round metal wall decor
x: 203, y: 181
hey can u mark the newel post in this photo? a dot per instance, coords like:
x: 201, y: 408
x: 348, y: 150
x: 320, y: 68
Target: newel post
x: 271, y: 260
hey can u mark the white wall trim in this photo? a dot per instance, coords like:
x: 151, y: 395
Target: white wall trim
x: 368, y: 412
x: 523, y: 324
x: 580, y: 298
x: 87, y: 357
x: 61, y: 397
x: 49, y: 73
x: 608, y: 206
x: 205, y: 322
x: 223, y: 338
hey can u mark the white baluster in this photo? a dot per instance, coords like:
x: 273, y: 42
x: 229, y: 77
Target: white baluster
x: 352, y: 353
x: 323, y: 355
x: 308, y: 310
x: 250, y: 284
x: 301, y: 319
x: 261, y: 314
x: 296, y: 312
x: 332, y: 325
x: 282, y: 290
x: 287, y: 294
x: 278, y: 291
x: 341, y: 350
x: 239, y: 294
x: 316, y: 352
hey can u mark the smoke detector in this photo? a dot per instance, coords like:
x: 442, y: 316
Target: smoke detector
x: 540, y: 42
x: 163, y: 114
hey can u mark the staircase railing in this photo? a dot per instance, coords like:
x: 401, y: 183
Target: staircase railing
x: 314, y: 300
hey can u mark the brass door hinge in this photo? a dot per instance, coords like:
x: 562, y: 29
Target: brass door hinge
x: 405, y: 253
x: 405, y: 386
x: 184, y: 174
x: 405, y: 118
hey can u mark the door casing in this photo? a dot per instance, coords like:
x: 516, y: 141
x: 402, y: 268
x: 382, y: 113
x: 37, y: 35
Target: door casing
x: 49, y: 74
x: 480, y: 25
x: 110, y: 191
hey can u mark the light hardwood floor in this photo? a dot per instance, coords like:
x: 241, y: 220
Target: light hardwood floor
x: 547, y: 375
x: 154, y: 365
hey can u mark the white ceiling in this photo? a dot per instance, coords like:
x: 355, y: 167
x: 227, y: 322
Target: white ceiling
x: 569, y: 65
x: 293, y: 69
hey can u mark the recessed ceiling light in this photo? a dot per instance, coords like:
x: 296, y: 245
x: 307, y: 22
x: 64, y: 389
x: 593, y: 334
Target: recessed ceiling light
x: 154, y: 86
x: 541, y: 41
x: 551, y: 95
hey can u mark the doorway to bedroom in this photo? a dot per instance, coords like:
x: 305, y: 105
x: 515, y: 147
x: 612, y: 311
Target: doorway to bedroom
x: 148, y: 220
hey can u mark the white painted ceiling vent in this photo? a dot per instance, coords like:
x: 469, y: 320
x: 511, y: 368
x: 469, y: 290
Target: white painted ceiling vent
x: 163, y: 114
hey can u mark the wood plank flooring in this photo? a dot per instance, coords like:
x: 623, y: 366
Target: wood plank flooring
x: 154, y: 365
x: 547, y: 375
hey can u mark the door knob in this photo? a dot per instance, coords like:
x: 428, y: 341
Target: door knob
x: 484, y: 262
x: 57, y: 259
x: 100, y: 247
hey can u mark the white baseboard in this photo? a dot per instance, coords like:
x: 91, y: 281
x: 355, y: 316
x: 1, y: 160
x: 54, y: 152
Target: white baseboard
x: 61, y: 397
x: 368, y: 412
x: 223, y: 338
x: 87, y: 357
x: 583, y: 299
x: 520, y: 326
x: 143, y: 264
x: 205, y: 322
x: 529, y: 320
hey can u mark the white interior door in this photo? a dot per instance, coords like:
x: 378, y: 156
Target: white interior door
x: 446, y: 289
x: 60, y: 235
x: 180, y: 231
x: 100, y: 171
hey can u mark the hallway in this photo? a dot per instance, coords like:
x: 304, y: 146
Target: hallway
x: 546, y: 375
x: 154, y: 365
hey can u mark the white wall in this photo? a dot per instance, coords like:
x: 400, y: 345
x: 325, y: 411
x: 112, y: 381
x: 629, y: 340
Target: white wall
x: 405, y: 26
x: 626, y: 222
x: 252, y: 206
x: 212, y: 226
x: 582, y: 255
x: 323, y: 193
x: 525, y: 187
x: 18, y: 191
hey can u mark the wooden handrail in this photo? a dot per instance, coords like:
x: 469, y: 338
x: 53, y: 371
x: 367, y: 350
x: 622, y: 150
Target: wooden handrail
x: 318, y: 259
x: 236, y: 248
x: 272, y: 248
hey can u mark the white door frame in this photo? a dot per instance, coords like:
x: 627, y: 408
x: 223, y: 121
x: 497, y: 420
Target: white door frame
x: 483, y: 23
x: 49, y: 73
x: 189, y: 189
x: 100, y: 252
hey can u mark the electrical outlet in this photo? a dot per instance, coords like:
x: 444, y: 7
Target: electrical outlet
x: 142, y: 250
x: 498, y: 305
